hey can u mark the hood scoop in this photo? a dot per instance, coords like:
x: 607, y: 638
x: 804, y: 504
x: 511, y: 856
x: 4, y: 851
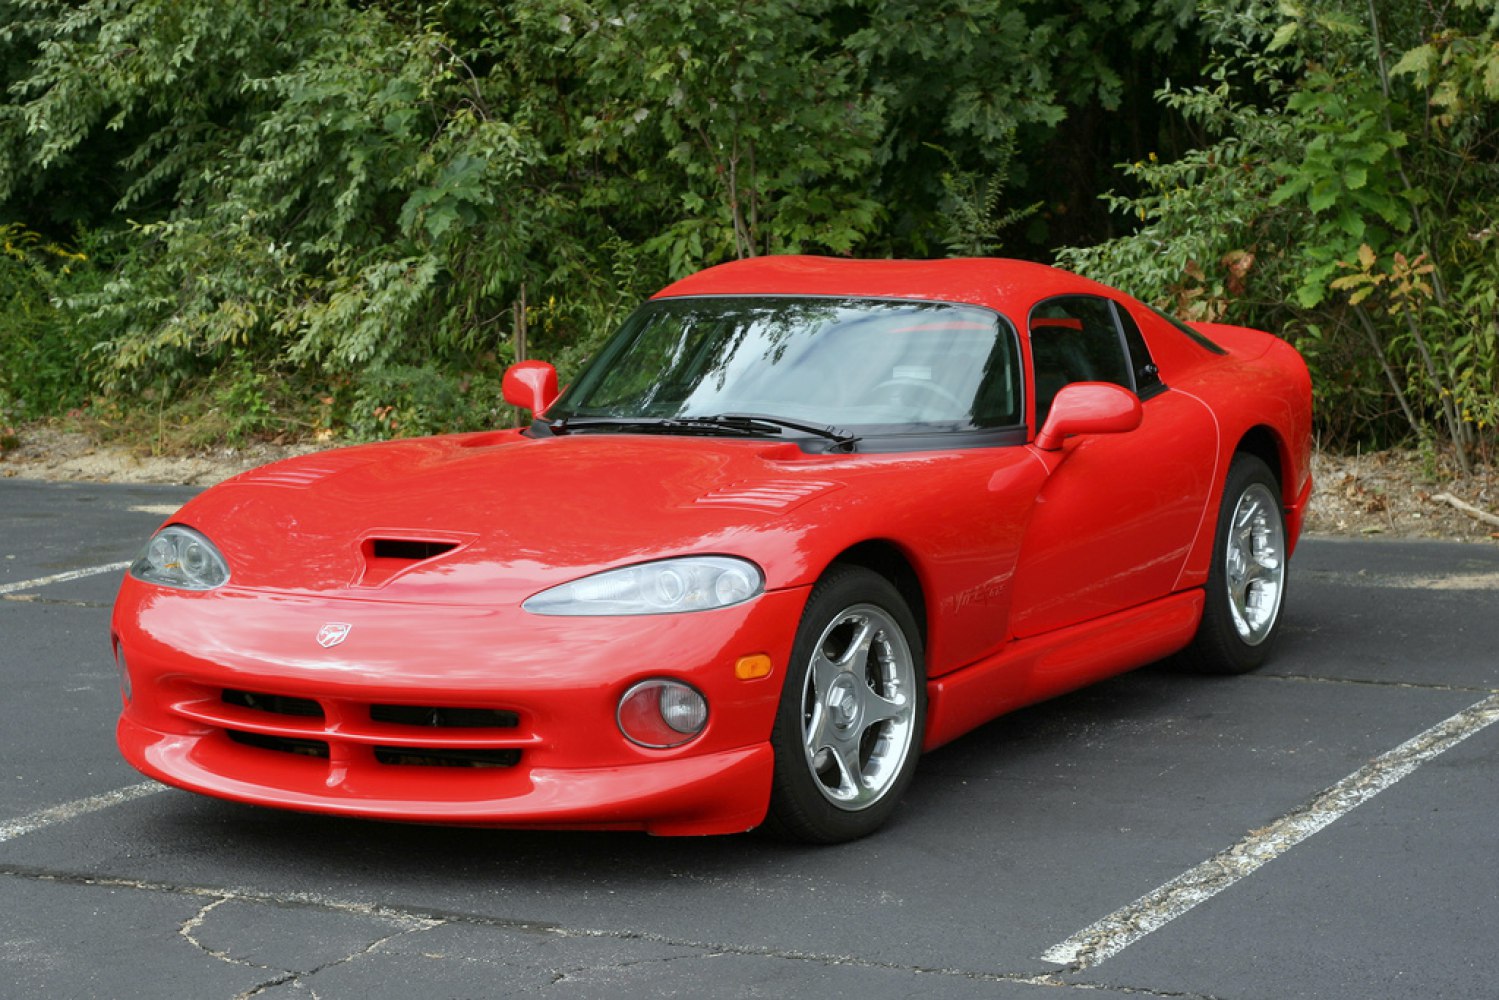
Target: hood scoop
x: 411, y: 550
x: 386, y: 557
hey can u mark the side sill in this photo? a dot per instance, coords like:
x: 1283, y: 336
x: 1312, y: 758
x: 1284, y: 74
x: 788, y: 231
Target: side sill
x: 1030, y: 670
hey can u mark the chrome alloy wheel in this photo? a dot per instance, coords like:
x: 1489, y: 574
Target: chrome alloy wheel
x: 1255, y: 571
x: 858, y: 707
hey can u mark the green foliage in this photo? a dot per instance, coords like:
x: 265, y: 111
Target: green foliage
x: 754, y: 111
x: 974, y: 220
x: 1339, y: 196
x: 245, y: 397
x: 406, y: 400
x: 366, y: 190
x: 1346, y: 175
x: 380, y: 204
x: 43, y: 364
x: 1457, y: 65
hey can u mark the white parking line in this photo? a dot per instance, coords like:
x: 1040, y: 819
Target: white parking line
x: 53, y: 815
x: 159, y: 509
x: 1111, y: 935
x: 72, y: 574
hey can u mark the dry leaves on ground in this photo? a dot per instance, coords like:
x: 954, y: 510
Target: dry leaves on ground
x: 1395, y: 493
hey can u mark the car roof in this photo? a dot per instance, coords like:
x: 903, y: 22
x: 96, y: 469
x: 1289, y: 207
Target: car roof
x: 1008, y: 286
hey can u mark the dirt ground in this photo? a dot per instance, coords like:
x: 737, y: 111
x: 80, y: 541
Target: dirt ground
x: 1394, y: 494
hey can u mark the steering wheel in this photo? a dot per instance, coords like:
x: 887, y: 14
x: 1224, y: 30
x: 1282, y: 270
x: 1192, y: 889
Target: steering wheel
x: 899, y: 384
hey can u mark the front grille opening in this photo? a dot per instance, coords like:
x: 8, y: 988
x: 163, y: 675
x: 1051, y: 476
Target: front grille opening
x: 444, y: 718
x: 408, y: 549
x: 447, y: 757
x: 280, y: 744
x: 277, y: 704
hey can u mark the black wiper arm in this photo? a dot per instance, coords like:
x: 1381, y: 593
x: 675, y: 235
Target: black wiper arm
x: 838, y: 436
x: 657, y: 425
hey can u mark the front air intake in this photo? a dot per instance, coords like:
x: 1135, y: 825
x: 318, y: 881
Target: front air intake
x: 281, y: 744
x: 445, y: 718
x: 447, y: 756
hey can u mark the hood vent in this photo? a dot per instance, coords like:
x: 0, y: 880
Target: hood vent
x: 408, y: 549
x: 777, y: 495
x: 302, y: 473
x: 387, y: 558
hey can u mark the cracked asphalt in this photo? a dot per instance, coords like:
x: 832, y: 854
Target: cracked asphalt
x: 1022, y: 836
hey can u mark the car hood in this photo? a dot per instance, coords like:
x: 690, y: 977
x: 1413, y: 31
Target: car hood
x: 497, y: 517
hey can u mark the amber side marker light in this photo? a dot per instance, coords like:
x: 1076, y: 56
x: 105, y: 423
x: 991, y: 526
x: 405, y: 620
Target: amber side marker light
x: 748, y: 668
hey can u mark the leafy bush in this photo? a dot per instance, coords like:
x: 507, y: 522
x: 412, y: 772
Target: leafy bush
x: 1326, y: 201
x: 44, y: 364
x: 380, y: 204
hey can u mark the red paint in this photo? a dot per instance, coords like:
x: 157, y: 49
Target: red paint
x: 1089, y: 408
x: 531, y: 385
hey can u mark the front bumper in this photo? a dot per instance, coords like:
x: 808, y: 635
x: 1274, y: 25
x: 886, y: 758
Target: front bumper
x: 447, y: 714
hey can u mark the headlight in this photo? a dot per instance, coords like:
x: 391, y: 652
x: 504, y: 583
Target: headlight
x: 668, y: 586
x: 180, y: 557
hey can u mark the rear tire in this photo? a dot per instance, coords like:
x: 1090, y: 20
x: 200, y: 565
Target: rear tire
x: 853, y: 709
x: 1246, y: 584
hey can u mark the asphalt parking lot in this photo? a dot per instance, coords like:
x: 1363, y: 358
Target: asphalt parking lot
x: 1325, y: 828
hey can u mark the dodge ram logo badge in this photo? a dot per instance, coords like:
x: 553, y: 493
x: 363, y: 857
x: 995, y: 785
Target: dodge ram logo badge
x: 332, y: 634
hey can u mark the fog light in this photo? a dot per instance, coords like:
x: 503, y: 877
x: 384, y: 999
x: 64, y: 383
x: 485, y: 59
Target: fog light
x: 124, y: 672
x: 659, y: 713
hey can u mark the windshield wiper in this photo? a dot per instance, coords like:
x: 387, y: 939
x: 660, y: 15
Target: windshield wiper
x: 651, y: 425
x: 659, y: 425
x: 733, y: 424
x: 843, y: 439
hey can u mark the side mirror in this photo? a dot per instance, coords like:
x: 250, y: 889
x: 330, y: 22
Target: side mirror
x: 1089, y: 408
x: 531, y: 385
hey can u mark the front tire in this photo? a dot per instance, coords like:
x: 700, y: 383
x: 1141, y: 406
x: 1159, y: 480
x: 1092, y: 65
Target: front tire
x: 1247, y: 580
x: 853, y: 708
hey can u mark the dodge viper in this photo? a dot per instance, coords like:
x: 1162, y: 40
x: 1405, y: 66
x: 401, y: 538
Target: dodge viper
x: 798, y: 522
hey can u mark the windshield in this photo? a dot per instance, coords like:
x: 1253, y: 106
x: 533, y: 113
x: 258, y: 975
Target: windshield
x: 857, y: 365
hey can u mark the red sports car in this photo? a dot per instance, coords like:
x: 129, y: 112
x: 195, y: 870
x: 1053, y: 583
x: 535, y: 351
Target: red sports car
x: 800, y: 520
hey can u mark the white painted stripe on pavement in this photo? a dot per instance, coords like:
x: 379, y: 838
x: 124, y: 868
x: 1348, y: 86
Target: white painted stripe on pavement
x: 53, y: 815
x: 72, y: 574
x: 160, y: 509
x: 1111, y: 935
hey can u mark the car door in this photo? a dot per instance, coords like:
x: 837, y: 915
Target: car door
x: 1116, y: 517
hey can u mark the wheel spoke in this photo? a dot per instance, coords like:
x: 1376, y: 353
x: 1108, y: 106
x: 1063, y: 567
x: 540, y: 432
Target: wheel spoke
x: 850, y: 771
x: 824, y: 672
x: 817, y: 736
x: 1254, y: 571
x: 1267, y: 558
x: 858, y: 648
x: 875, y: 708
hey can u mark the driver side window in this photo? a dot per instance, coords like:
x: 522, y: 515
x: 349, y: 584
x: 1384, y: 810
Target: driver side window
x: 1075, y: 339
